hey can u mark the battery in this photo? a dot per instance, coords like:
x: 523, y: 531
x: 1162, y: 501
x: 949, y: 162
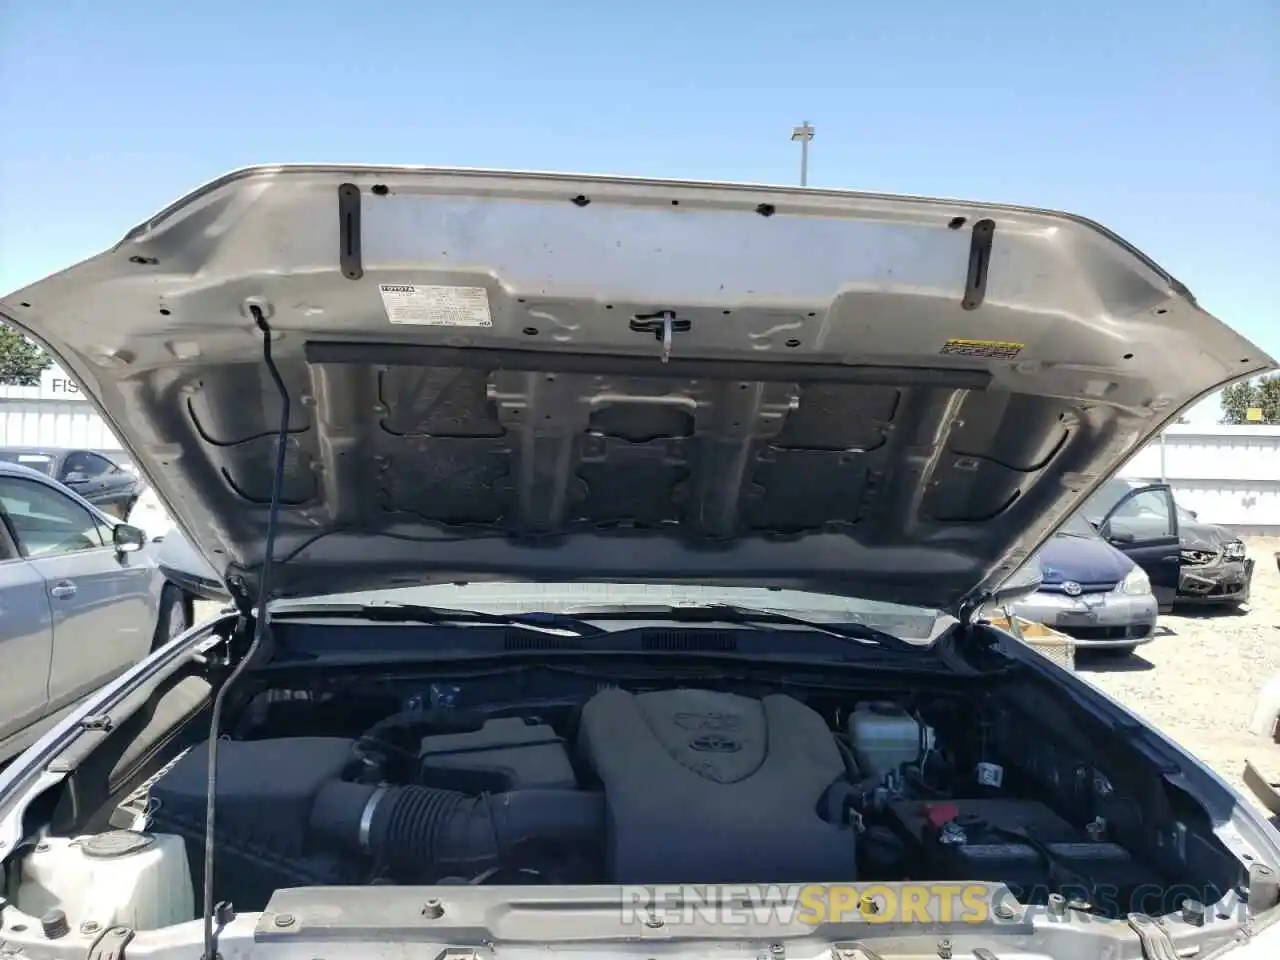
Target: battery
x: 978, y: 840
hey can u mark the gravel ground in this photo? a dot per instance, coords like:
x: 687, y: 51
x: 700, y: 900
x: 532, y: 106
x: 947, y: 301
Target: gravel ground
x: 1199, y: 679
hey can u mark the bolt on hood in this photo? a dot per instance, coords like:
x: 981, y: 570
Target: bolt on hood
x: 514, y: 376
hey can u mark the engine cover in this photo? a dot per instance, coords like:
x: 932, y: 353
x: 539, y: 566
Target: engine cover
x: 709, y: 787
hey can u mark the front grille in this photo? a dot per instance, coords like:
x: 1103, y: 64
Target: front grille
x: 1199, y: 558
x: 1084, y: 587
x: 1137, y: 632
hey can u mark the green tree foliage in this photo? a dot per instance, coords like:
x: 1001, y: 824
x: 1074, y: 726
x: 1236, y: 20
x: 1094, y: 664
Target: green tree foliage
x: 21, y: 361
x: 1262, y: 393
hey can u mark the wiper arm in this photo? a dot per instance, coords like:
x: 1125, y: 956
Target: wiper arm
x: 420, y: 613
x: 754, y: 616
x: 579, y: 624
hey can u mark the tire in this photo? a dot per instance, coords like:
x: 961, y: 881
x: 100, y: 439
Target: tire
x: 173, y: 616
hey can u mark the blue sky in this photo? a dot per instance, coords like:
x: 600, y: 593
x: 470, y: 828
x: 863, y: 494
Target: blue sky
x: 1160, y: 119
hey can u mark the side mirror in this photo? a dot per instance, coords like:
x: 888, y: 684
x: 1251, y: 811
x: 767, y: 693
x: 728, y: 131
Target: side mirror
x: 1193, y: 515
x: 1121, y: 536
x: 74, y: 477
x: 128, y: 539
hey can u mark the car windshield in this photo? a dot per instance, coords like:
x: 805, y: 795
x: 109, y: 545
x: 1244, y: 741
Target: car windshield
x: 1077, y: 526
x: 917, y: 624
x: 1106, y: 497
x: 36, y: 461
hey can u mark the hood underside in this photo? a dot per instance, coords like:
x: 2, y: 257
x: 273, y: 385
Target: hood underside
x: 509, y: 376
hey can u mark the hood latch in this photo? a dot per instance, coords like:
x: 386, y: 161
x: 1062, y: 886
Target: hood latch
x: 663, y: 325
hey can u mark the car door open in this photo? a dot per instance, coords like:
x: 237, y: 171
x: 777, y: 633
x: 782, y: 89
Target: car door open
x: 99, y: 481
x: 1143, y: 524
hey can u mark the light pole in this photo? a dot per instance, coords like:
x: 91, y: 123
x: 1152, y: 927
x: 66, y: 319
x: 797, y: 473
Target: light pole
x: 803, y: 133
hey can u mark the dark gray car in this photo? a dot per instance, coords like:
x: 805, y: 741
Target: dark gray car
x: 94, y: 476
x: 78, y: 600
x: 1212, y: 563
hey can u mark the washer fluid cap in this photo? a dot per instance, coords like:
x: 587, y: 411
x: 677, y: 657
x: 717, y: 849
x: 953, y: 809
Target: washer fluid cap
x: 115, y: 843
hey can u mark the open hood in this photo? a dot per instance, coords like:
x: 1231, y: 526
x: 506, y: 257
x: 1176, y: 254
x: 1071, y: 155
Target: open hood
x: 514, y: 376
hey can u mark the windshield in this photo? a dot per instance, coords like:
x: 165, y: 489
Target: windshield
x: 1077, y: 526
x: 910, y: 623
x: 36, y: 461
x: 1107, y: 496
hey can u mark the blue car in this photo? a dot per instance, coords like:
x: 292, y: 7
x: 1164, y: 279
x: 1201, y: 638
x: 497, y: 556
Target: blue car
x: 1091, y: 591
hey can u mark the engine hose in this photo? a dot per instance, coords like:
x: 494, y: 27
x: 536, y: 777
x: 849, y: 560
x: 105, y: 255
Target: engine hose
x: 415, y: 830
x: 427, y: 718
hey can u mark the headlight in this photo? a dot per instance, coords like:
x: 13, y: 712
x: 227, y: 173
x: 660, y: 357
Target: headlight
x: 1136, y: 584
x: 1234, y: 550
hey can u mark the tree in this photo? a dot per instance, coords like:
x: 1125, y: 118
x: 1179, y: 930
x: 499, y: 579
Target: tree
x: 1262, y: 393
x: 21, y: 361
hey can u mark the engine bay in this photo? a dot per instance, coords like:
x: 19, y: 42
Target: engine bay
x: 548, y: 776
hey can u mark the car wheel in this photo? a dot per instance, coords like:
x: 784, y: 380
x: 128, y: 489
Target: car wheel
x: 172, y: 618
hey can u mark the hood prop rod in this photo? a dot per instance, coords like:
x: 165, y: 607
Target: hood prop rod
x: 259, y: 632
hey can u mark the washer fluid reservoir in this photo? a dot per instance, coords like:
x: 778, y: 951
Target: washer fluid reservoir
x: 120, y: 877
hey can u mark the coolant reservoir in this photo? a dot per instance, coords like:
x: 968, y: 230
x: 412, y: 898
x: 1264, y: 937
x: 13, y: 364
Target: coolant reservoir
x: 884, y: 737
x: 121, y: 877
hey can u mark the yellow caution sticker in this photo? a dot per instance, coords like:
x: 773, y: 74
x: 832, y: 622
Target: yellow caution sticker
x: 986, y: 349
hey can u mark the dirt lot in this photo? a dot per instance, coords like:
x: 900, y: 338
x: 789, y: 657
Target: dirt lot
x: 1198, y: 681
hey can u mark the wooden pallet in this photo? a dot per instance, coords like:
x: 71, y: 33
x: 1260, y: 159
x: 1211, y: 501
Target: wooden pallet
x: 1058, y: 647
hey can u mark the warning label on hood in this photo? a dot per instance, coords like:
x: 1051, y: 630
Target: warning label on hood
x: 986, y: 349
x: 435, y: 306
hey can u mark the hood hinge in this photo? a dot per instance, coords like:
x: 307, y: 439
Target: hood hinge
x: 971, y: 605
x: 110, y: 945
x: 1154, y: 939
x: 241, y: 598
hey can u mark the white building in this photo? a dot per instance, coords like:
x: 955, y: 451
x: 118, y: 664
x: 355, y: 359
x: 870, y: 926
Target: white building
x: 54, y: 414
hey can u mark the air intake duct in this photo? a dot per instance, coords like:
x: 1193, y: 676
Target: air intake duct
x: 419, y: 831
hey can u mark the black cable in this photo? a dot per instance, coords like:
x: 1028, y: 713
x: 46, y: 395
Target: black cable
x: 259, y: 631
x: 1067, y: 875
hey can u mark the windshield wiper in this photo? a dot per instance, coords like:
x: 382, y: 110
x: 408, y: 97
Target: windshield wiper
x: 580, y: 622
x: 754, y: 617
x: 421, y: 613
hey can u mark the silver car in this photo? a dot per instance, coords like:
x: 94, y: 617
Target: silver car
x: 78, y: 601
x: 1091, y: 591
x: 664, y: 516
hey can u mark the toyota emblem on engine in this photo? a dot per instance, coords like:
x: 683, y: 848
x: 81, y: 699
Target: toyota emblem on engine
x: 1072, y: 589
x: 715, y: 743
